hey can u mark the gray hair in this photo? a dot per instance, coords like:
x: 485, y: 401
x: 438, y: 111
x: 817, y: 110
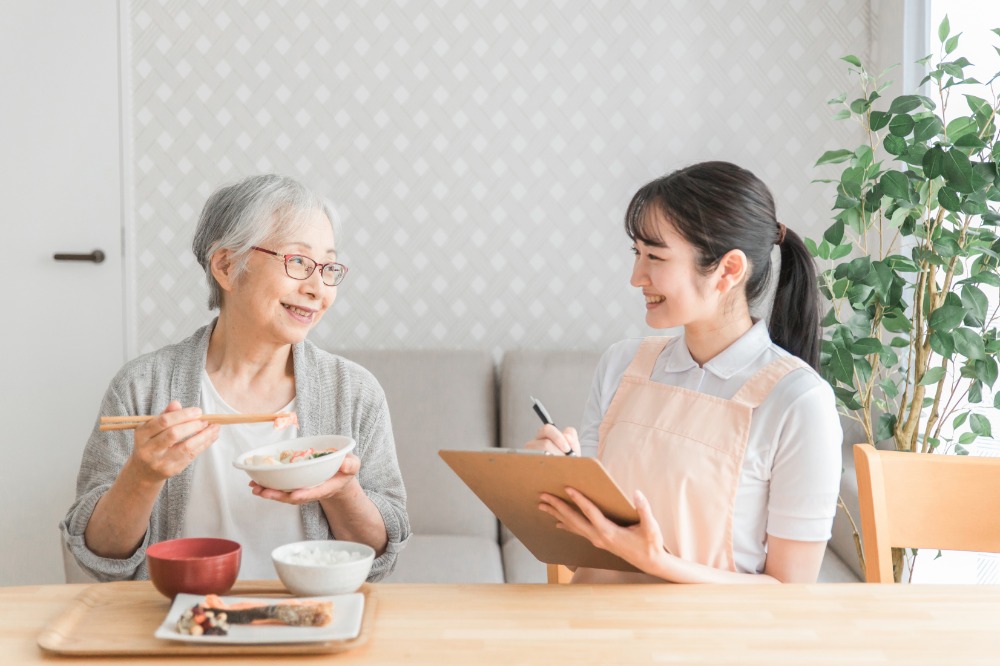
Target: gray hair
x: 251, y: 212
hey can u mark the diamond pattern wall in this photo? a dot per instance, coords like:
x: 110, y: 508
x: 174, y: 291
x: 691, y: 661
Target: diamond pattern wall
x: 480, y: 154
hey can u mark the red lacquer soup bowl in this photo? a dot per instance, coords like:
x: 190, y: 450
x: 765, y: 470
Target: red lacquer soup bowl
x: 194, y: 566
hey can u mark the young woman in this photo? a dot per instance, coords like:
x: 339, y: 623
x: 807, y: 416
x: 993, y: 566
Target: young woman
x: 268, y: 250
x: 726, y: 437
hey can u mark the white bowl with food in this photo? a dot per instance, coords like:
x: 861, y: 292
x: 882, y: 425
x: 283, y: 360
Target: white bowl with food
x: 303, y: 462
x: 319, y: 568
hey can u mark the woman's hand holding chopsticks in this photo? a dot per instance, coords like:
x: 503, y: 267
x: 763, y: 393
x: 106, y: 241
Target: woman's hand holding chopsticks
x: 166, y: 444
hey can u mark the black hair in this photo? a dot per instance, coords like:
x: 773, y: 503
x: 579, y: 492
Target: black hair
x: 718, y: 207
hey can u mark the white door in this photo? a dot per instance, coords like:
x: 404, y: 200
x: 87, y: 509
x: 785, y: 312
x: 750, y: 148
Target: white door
x: 61, y: 339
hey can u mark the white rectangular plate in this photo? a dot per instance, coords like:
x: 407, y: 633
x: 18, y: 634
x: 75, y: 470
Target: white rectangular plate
x: 346, y: 624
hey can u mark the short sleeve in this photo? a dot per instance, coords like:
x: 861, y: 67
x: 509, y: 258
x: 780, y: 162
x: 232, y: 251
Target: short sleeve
x: 805, y: 476
x: 607, y: 376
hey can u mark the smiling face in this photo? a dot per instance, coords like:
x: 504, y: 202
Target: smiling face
x: 676, y: 292
x: 268, y: 305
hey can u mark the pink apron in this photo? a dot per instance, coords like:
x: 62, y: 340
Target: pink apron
x: 684, y: 450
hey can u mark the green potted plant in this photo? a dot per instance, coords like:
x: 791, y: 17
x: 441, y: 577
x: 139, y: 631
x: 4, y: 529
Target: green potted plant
x: 910, y: 262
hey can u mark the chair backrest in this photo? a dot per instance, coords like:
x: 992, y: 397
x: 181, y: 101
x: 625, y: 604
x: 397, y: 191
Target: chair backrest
x: 923, y: 500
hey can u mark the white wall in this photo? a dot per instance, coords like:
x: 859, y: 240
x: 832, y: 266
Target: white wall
x: 481, y: 153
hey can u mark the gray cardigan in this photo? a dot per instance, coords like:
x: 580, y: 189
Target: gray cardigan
x: 333, y: 396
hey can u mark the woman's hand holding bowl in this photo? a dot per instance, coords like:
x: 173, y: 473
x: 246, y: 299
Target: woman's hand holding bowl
x: 330, y: 488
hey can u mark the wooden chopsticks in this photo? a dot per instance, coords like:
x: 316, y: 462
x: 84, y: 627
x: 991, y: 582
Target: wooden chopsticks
x: 133, y: 422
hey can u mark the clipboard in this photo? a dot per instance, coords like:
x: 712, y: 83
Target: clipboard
x: 509, y: 482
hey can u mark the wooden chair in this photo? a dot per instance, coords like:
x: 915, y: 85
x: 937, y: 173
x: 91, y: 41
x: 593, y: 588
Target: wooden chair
x: 919, y: 500
x: 557, y: 573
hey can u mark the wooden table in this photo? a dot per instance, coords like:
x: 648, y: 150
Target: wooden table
x: 569, y: 624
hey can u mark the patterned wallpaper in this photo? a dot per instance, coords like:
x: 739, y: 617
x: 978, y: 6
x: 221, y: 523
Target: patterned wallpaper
x: 480, y: 154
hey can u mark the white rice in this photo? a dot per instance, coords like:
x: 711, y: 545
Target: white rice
x: 321, y: 556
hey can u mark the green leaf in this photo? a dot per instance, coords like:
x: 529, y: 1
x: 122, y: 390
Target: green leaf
x: 884, y: 428
x: 894, y: 145
x: 866, y: 346
x: 932, y: 376
x: 889, y: 388
x: 979, y: 106
x: 961, y: 419
x: 942, y: 343
x: 901, y: 125
x: 904, y: 104
x: 859, y: 269
x: 841, y: 365
x: 847, y: 397
x: 996, y: 401
x: 971, y: 141
x: 980, y: 425
x: 951, y: 44
x: 895, y: 184
x: 834, y: 157
x: 961, y: 126
x: 842, y: 114
x: 947, y: 317
x: 850, y: 181
x: 810, y: 245
x: 901, y: 264
x: 944, y: 29
x: 958, y: 170
x: 835, y: 233
x: 976, y: 303
x: 966, y: 438
x: 949, y: 199
x: 927, y: 128
x: 852, y: 60
x: 933, y: 162
x: 987, y: 370
x: 877, y: 120
x: 969, y: 344
x: 840, y: 251
x: 896, y: 323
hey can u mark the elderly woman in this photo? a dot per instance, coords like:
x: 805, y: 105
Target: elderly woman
x: 268, y: 249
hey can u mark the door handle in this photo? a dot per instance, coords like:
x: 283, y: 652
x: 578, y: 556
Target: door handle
x: 96, y: 256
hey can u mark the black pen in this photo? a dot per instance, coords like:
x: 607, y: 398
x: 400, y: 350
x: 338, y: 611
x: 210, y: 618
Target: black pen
x: 544, y: 416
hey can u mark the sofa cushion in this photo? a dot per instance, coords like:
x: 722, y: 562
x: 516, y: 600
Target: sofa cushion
x: 519, y: 565
x: 448, y: 559
x: 559, y: 379
x: 835, y: 570
x: 438, y: 400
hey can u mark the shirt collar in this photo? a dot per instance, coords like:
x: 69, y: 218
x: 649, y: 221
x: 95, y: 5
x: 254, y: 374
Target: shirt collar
x: 730, y: 361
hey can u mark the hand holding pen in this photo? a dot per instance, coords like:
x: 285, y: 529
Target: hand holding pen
x: 549, y: 438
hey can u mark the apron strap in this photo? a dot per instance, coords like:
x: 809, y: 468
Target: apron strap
x: 642, y: 363
x: 760, y: 385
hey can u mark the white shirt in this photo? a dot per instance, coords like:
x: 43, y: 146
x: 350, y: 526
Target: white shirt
x: 222, y: 504
x: 791, y: 470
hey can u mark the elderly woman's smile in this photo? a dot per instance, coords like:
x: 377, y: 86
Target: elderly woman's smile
x: 267, y: 247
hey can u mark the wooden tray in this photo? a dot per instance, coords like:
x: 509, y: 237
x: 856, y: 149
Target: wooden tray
x: 118, y: 619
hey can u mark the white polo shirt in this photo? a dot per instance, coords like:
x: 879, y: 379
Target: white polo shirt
x: 791, y: 470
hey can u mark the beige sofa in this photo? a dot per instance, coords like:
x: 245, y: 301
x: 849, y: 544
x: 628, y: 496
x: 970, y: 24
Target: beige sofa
x: 469, y: 400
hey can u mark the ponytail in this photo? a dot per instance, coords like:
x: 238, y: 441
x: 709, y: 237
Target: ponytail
x: 718, y: 206
x: 794, y: 323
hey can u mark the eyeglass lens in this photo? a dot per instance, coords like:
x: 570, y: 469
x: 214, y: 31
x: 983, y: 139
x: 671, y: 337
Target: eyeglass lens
x: 300, y: 268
